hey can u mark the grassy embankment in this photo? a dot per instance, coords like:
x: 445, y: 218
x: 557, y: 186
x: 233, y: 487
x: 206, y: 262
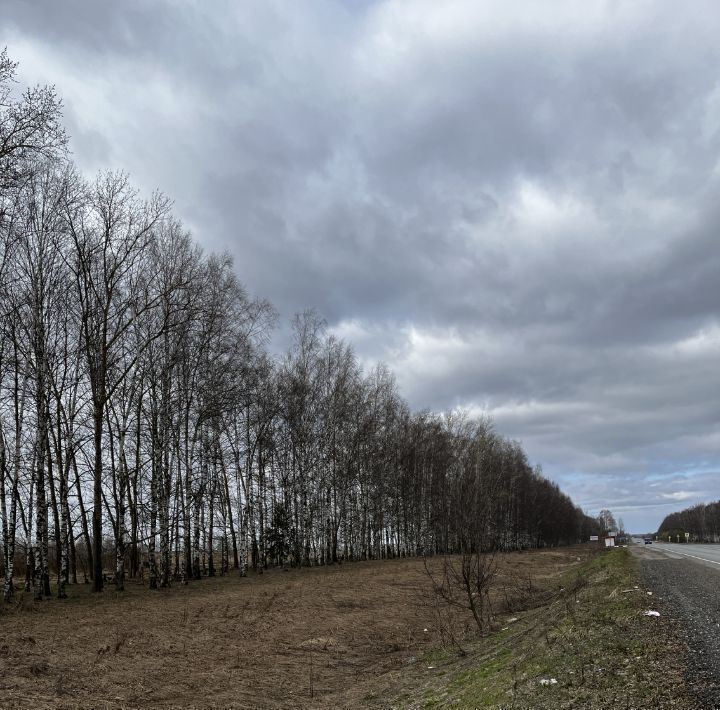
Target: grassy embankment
x: 589, y: 641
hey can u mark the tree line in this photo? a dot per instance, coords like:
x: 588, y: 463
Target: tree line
x: 146, y: 429
x: 701, y: 521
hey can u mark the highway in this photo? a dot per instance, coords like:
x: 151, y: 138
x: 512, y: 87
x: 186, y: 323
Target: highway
x: 709, y: 554
x: 685, y: 580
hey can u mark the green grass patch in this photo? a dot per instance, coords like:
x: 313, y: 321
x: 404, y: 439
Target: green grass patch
x: 589, y: 646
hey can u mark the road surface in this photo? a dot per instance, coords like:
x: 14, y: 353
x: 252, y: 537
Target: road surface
x: 685, y: 580
x: 709, y: 554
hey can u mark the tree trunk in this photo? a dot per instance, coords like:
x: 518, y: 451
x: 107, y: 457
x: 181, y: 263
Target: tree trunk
x: 3, y: 501
x: 97, y: 561
x: 56, y: 513
x: 65, y: 530
x: 120, y: 516
x: 9, y: 543
x: 41, y: 448
x: 83, y: 519
x: 236, y: 561
x: 211, y: 526
x: 164, y: 487
x: 153, y: 521
x: 196, y: 540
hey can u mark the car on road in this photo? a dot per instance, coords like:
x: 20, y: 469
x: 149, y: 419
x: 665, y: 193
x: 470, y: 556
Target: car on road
x: 648, y: 541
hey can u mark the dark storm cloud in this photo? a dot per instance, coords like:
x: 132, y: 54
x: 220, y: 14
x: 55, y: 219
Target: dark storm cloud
x: 515, y: 208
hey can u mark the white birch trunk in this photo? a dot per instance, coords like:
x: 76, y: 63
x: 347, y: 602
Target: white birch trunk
x: 63, y: 577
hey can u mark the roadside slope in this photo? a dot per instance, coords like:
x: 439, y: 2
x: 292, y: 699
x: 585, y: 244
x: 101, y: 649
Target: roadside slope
x: 590, y: 646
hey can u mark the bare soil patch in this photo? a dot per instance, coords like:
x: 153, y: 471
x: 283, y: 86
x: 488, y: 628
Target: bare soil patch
x: 340, y: 636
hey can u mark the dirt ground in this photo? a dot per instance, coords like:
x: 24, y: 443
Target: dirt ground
x: 336, y: 637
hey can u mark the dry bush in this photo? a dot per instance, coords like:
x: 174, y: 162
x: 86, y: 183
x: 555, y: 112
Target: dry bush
x: 464, y: 582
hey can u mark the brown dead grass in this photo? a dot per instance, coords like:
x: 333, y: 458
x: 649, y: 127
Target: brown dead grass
x: 321, y: 637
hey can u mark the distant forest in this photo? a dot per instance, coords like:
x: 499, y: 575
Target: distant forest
x: 146, y: 430
x: 701, y: 521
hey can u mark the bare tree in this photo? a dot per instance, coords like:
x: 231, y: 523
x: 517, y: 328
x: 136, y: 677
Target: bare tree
x: 112, y: 236
x: 30, y: 127
x: 134, y: 372
x: 607, y: 520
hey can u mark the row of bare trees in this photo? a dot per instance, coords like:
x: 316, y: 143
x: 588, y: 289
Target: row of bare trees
x: 145, y: 430
x: 701, y: 521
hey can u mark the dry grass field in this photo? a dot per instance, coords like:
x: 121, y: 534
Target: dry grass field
x: 343, y: 636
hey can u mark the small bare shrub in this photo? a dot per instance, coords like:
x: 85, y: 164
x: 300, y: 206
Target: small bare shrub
x: 464, y: 581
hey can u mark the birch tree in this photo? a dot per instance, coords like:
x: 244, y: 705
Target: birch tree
x: 112, y: 236
x: 140, y: 403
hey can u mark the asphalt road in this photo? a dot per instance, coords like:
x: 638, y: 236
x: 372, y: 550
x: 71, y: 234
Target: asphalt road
x: 685, y: 581
x: 709, y: 554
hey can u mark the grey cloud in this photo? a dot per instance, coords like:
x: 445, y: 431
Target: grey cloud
x: 516, y: 211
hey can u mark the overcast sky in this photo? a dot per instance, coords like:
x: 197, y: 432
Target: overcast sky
x: 513, y: 204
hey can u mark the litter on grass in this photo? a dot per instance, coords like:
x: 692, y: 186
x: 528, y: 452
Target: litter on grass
x: 548, y: 681
x: 651, y: 613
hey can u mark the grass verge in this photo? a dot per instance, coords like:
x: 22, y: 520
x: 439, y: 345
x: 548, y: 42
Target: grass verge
x: 589, y: 646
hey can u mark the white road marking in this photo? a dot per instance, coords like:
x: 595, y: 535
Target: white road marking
x: 686, y: 554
